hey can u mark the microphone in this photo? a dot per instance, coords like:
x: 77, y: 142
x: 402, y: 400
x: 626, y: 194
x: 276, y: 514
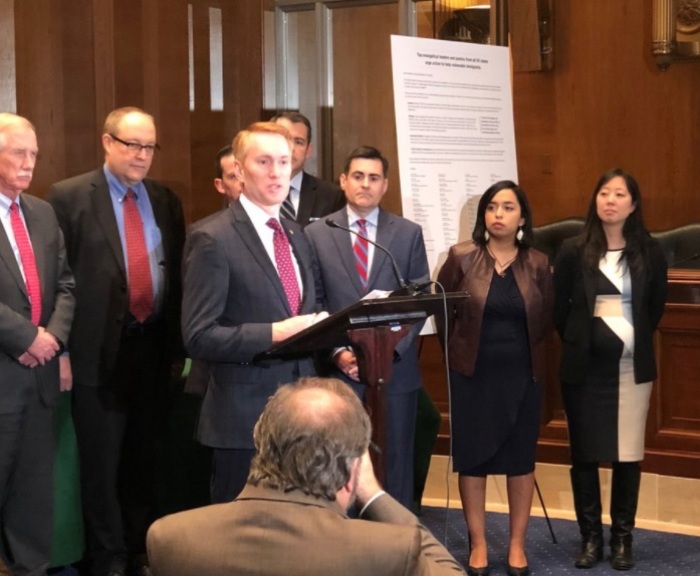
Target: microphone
x: 405, y: 289
x: 685, y: 260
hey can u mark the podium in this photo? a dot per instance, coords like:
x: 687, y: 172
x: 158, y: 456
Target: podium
x: 373, y: 327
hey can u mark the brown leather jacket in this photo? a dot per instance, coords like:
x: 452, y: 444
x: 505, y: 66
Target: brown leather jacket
x: 469, y: 268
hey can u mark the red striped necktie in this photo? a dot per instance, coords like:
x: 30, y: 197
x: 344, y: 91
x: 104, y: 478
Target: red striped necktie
x: 361, y: 249
x: 26, y: 255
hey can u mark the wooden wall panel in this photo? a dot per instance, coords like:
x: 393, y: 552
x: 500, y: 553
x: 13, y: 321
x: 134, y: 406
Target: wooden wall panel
x: 363, y: 111
x: 40, y: 84
x: 96, y: 55
x: 82, y: 128
x: 166, y: 92
x: 8, y: 79
x: 242, y: 64
x: 606, y: 104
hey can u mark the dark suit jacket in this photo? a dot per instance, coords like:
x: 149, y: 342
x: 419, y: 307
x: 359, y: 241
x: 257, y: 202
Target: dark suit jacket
x: 266, y: 532
x: 232, y: 295
x: 575, y: 295
x: 470, y: 268
x: 341, y: 283
x: 86, y: 215
x: 317, y: 198
x: 57, y: 305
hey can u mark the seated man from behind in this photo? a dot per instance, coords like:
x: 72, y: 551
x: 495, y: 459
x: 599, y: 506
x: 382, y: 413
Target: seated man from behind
x: 311, y: 464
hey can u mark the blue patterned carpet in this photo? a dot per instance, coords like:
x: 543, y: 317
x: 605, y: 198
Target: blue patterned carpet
x: 656, y: 553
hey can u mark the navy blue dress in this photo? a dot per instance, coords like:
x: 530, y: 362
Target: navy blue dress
x: 495, y: 412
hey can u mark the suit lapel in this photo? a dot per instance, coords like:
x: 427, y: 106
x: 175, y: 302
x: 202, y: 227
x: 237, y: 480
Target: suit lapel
x: 343, y: 244
x: 307, y: 196
x: 638, y: 289
x: 526, y: 283
x: 8, y: 256
x: 589, y: 287
x: 160, y: 213
x: 385, y: 237
x: 479, y: 273
x: 250, y: 238
x: 302, y: 256
x: 104, y: 211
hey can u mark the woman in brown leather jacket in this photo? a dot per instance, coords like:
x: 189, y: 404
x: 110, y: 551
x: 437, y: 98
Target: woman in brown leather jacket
x: 495, y: 390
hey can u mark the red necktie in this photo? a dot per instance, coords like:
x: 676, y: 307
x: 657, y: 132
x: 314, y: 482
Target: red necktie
x: 138, y: 263
x: 361, y: 249
x: 285, y: 267
x: 26, y: 254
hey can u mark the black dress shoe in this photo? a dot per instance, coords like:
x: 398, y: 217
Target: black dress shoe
x: 517, y: 571
x: 591, y: 553
x: 621, y: 558
x: 482, y: 571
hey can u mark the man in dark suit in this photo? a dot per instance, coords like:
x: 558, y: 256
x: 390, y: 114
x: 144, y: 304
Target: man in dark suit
x: 226, y: 182
x: 346, y: 280
x: 36, y: 309
x: 311, y: 463
x: 124, y: 236
x: 309, y: 197
x: 249, y: 283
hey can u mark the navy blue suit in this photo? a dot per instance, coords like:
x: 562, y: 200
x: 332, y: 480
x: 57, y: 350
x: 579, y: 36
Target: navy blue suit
x: 341, y: 287
x: 232, y: 296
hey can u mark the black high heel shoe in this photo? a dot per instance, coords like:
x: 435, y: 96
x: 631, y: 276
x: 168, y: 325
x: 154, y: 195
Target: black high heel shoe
x: 517, y: 571
x: 482, y: 571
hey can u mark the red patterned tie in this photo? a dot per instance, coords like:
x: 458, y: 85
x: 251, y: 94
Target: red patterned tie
x: 26, y: 254
x: 285, y: 267
x: 361, y: 249
x: 139, y: 266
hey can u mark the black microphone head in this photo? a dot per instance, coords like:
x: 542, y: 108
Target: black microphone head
x: 332, y: 223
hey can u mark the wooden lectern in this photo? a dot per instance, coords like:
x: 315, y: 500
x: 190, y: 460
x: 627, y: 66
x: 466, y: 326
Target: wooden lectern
x: 373, y: 327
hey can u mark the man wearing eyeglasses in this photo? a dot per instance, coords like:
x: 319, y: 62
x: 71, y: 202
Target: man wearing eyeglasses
x: 124, y: 237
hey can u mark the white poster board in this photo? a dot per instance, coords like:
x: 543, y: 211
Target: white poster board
x: 454, y: 124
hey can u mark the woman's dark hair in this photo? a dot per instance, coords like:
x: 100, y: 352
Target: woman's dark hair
x: 593, y: 239
x: 480, y: 224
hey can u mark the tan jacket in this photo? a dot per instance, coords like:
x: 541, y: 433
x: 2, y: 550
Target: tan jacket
x: 266, y: 532
x: 470, y: 268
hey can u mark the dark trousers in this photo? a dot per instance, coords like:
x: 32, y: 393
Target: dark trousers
x: 26, y: 486
x: 401, y: 411
x: 116, y: 427
x: 229, y: 473
x: 428, y: 422
x: 400, y: 440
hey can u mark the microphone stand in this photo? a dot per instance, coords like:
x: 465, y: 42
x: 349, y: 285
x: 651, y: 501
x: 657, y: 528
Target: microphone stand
x: 405, y: 289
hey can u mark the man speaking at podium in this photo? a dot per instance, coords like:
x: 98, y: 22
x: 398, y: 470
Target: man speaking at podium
x: 351, y: 267
x: 249, y: 283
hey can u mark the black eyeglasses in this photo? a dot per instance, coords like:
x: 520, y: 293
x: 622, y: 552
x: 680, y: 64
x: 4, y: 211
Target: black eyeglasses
x: 135, y: 147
